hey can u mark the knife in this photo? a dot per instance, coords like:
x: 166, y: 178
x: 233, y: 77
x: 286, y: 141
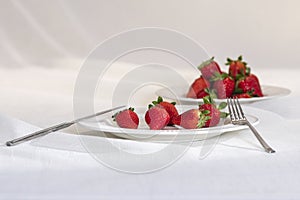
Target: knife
x: 54, y: 128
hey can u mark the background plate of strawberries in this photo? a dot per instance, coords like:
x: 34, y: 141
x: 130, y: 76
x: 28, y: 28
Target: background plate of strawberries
x: 236, y: 81
x: 168, y: 133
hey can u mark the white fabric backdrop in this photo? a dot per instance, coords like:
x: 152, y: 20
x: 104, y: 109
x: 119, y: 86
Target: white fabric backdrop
x: 38, y: 32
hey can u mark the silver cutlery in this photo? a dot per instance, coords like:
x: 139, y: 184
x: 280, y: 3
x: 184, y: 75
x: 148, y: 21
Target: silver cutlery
x: 54, y: 128
x: 237, y: 117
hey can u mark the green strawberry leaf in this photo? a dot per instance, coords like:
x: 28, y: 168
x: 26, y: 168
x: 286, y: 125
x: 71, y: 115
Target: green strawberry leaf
x: 239, y: 77
x: 150, y: 106
x: 248, y: 70
x: 213, y: 94
x: 174, y: 103
x: 205, y: 63
x: 224, y: 115
x: 224, y: 75
x: 228, y: 61
x: 202, y: 119
x: 206, y: 99
x: 222, y: 106
x: 154, y: 103
x: 211, y: 100
x: 207, y: 90
x: 159, y: 99
x: 238, y: 91
x: 115, y: 115
x: 216, y: 76
x: 206, y: 112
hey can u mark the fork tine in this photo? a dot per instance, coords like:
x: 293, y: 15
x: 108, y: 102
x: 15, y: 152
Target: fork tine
x: 229, y: 103
x: 237, y: 108
x: 234, y: 109
x: 240, y: 108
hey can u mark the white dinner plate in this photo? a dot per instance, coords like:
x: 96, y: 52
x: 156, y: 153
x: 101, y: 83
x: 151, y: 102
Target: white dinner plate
x: 179, y: 94
x: 169, y: 133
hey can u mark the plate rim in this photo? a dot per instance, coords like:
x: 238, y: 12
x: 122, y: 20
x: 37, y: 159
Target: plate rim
x: 242, y: 100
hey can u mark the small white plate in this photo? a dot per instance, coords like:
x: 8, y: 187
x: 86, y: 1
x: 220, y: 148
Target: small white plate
x: 176, y: 134
x: 179, y: 94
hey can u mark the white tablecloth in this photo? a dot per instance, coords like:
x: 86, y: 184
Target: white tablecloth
x: 57, y: 166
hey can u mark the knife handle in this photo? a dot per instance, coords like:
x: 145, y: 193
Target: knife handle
x: 38, y: 133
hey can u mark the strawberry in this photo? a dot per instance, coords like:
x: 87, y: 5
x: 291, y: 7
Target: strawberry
x: 169, y: 107
x: 127, y: 118
x: 207, y: 115
x: 197, y: 89
x: 250, y: 84
x: 223, y: 85
x: 237, y: 68
x: 157, y: 117
x: 191, y: 119
x: 212, y: 112
x: 209, y: 68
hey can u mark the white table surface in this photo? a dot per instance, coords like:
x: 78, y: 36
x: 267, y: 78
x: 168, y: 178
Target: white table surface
x: 57, y: 167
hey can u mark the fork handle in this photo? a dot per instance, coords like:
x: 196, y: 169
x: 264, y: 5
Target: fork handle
x: 260, y: 139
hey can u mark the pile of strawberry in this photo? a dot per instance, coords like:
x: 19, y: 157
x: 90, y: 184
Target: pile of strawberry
x: 238, y: 82
x: 162, y: 113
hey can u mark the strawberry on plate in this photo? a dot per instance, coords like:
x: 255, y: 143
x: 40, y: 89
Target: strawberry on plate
x: 237, y: 68
x: 223, y: 86
x: 127, y: 119
x: 250, y: 84
x: 157, y: 117
x: 207, y: 115
x: 212, y: 112
x: 191, y: 119
x: 168, y: 106
x: 209, y: 68
x: 198, y: 88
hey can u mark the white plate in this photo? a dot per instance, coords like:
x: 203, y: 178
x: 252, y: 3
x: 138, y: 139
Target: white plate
x: 168, y: 134
x: 179, y: 94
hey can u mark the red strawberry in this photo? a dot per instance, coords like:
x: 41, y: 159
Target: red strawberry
x: 207, y: 115
x: 169, y: 107
x: 237, y: 68
x: 224, y: 86
x: 250, y: 85
x: 191, y: 119
x: 157, y: 117
x: 127, y: 119
x: 197, y: 89
x: 212, y: 112
x: 209, y: 68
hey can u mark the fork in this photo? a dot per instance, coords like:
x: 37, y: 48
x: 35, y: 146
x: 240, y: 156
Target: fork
x: 238, y: 117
